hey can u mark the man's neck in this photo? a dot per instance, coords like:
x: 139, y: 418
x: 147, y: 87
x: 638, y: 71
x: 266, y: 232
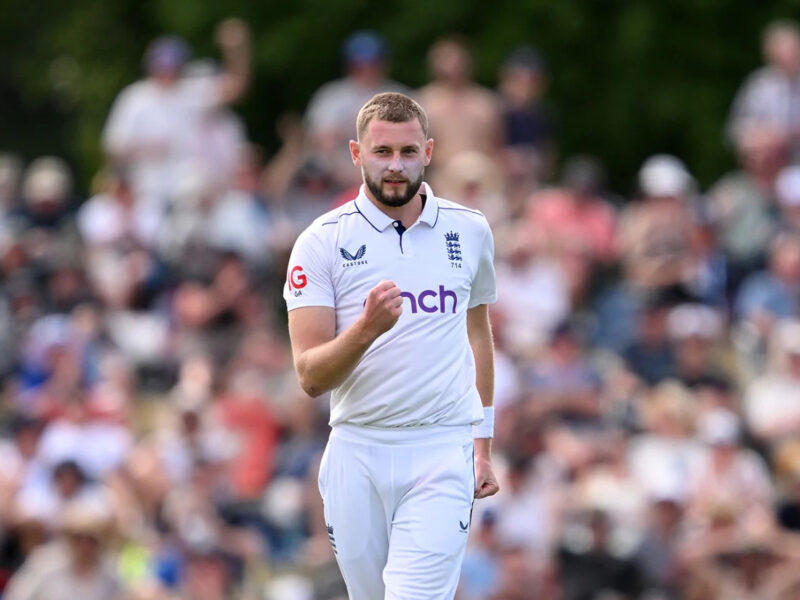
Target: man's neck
x: 406, y: 214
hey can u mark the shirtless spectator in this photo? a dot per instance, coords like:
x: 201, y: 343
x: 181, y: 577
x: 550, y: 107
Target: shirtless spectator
x: 463, y: 115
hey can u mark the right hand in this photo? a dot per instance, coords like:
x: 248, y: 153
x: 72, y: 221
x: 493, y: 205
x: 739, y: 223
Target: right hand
x: 232, y: 33
x: 383, y: 308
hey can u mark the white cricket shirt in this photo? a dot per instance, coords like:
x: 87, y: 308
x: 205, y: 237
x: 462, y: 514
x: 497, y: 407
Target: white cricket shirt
x: 422, y: 371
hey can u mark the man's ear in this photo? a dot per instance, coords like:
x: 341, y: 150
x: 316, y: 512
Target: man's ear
x: 355, y: 153
x: 428, y: 151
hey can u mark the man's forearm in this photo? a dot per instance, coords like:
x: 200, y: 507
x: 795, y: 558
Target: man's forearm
x: 482, y: 344
x: 323, y: 367
x: 236, y: 77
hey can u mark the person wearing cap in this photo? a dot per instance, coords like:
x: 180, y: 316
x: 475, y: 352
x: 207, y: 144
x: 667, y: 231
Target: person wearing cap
x: 76, y: 564
x: 527, y: 124
x: 333, y: 108
x: 770, y: 403
x: 46, y: 223
x: 655, y: 231
x: 729, y: 473
x: 695, y: 330
x: 154, y: 123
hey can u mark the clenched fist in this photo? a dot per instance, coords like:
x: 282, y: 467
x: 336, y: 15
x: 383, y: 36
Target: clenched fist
x: 383, y: 308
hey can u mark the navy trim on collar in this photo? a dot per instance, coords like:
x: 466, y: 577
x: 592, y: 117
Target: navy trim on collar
x: 379, y: 220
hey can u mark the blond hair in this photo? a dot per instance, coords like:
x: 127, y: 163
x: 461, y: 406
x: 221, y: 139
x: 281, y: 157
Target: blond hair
x: 392, y: 107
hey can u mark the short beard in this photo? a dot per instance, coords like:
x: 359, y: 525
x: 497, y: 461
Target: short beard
x: 412, y: 187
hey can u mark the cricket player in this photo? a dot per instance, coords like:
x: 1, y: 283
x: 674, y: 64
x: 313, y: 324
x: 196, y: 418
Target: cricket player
x: 388, y: 309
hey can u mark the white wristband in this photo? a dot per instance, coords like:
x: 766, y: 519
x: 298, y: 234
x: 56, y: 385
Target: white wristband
x: 486, y: 428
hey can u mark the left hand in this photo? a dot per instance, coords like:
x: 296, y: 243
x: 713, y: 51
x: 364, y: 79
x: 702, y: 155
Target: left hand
x: 485, y: 480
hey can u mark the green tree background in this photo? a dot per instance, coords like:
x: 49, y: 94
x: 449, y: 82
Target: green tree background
x: 628, y: 79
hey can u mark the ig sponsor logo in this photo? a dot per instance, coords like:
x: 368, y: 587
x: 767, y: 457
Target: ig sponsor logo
x: 297, y: 280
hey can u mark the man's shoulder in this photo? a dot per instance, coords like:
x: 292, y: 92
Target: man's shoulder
x: 453, y: 212
x: 328, y: 223
x: 137, y: 91
x: 332, y: 90
x: 763, y: 77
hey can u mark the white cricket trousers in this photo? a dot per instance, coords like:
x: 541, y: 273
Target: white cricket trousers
x: 398, y: 507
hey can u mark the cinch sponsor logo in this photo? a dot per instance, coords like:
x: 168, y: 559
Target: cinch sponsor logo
x: 427, y: 300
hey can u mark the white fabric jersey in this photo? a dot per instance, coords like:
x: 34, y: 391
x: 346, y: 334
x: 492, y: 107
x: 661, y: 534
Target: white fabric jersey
x: 422, y: 371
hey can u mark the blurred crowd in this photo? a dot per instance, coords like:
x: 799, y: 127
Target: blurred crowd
x: 155, y: 444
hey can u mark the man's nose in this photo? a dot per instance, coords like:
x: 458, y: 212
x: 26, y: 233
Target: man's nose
x: 396, y: 164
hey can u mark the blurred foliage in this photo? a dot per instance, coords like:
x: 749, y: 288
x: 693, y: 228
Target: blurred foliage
x: 627, y: 79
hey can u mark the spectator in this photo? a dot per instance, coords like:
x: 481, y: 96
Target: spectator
x: 563, y: 383
x: 527, y: 124
x: 707, y: 270
x: 772, y: 294
x: 576, y: 215
x: 665, y: 456
x: 156, y: 124
x: 533, y: 297
x: 590, y: 564
x: 528, y: 509
x: 333, y: 108
x: 654, y: 232
x: 741, y: 204
x: 769, y: 95
x: 241, y: 220
x: 77, y: 562
x: 650, y: 356
x: 474, y: 180
x: 464, y: 116
x: 695, y: 331
x: 657, y: 554
x: 730, y: 475
x: 753, y: 561
x: 119, y: 235
x: 47, y: 223
x: 770, y: 409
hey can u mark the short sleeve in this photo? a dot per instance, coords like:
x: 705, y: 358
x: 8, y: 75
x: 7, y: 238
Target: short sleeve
x: 120, y: 127
x: 484, y: 286
x: 308, y: 276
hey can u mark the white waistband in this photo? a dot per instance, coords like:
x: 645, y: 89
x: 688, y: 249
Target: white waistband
x: 428, y: 434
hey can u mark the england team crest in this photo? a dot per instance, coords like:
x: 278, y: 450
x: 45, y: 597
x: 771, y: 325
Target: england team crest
x: 453, y: 246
